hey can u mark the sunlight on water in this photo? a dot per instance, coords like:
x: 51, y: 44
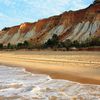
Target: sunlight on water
x: 17, y: 84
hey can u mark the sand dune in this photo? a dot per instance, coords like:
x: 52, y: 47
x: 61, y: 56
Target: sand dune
x: 82, y: 67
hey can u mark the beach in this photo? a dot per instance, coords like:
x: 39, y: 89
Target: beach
x: 80, y: 66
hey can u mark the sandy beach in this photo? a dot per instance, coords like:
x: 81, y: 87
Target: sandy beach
x: 81, y: 66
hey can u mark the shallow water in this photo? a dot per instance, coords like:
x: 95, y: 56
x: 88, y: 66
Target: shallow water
x: 18, y: 84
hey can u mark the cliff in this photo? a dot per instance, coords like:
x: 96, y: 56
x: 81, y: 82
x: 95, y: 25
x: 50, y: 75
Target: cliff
x: 73, y: 25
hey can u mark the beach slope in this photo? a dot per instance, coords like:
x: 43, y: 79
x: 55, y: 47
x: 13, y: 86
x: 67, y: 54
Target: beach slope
x: 83, y: 67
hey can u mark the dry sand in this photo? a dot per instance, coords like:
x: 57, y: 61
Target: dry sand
x: 81, y: 66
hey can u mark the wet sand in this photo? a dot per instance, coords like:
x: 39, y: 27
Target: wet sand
x: 81, y: 66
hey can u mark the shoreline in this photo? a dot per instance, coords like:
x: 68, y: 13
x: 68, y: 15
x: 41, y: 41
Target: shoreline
x: 56, y: 75
x: 48, y: 68
x: 60, y: 76
x: 27, y: 85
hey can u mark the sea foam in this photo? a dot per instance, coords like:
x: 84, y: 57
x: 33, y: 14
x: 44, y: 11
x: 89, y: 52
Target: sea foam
x: 18, y: 84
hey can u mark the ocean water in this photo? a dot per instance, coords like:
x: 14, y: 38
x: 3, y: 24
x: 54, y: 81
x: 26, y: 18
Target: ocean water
x: 18, y: 84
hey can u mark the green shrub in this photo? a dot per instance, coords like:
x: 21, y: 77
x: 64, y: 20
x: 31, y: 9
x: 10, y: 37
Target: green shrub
x: 1, y: 46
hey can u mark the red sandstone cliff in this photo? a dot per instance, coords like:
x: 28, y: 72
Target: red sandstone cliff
x: 74, y: 25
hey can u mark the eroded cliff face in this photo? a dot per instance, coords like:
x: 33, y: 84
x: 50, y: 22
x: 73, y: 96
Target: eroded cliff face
x: 74, y: 25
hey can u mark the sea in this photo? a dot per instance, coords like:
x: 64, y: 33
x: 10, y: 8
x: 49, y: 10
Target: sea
x: 18, y: 84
